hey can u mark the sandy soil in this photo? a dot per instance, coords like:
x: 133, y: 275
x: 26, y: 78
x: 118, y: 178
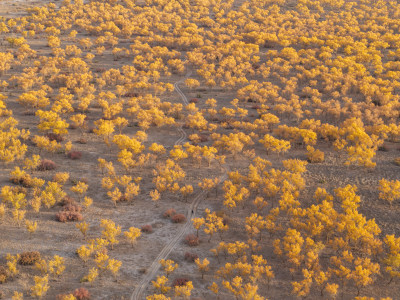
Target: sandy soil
x: 139, y: 267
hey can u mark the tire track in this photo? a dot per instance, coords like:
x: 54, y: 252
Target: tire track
x: 155, y: 266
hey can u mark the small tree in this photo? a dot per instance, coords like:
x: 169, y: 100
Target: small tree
x: 31, y: 226
x: 160, y: 284
x: 83, y: 227
x: 203, y: 266
x: 197, y: 223
x: 169, y: 266
x: 41, y: 286
x: 133, y: 234
x: 110, y: 231
x: 57, y: 265
x: 114, y: 266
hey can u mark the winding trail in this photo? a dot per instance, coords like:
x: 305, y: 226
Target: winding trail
x: 191, y: 212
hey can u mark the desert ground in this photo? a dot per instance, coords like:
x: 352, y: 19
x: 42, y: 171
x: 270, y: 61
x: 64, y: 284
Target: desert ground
x: 303, y: 135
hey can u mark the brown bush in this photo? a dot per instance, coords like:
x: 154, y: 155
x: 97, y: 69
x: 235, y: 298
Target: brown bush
x: 397, y: 161
x: 66, y: 216
x: 28, y: 258
x: 46, y: 165
x: 70, y: 213
x: 203, y: 138
x: 147, y: 228
x: 74, y: 155
x: 179, y: 218
x: 180, y: 281
x: 194, y: 100
x: 72, y: 207
x: 192, y: 240
x: 54, y: 137
x: 169, y: 213
x: 81, y: 294
x: 3, y: 274
x: 67, y: 200
x: 82, y: 141
x: 131, y: 94
x: 191, y: 257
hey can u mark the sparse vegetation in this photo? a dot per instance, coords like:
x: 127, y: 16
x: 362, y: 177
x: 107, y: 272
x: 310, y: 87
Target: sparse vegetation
x: 271, y: 125
x: 29, y: 258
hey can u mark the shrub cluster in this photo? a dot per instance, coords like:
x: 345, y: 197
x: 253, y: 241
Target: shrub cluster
x: 46, y: 165
x: 178, y: 218
x: 191, y: 257
x: 180, y: 281
x: 169, y: 213
x: 74, y: 155
x: 24, y: 180
x: 28, y: 258
x: 54, y: 137
x: 203, y: 138
x: 82, y: 294
x: 70, y: 213
x: 147, y: 228
x: 192, y: 240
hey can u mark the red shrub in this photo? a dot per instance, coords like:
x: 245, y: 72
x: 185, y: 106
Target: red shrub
x: 74, y: 155
x: 67, y: 216
x: 169, y: 213
x: 82, y: 294
x: 73, y: 207
x: 192, y: 240
x: 191, y: 257
x: 180, y: 281
x: 54, y: 137
x: 194, y: 100
x: 67, y: 200
x: 46, y: 165
x: 179, y: 218
x: 70, y: 213
x: 147, y: 228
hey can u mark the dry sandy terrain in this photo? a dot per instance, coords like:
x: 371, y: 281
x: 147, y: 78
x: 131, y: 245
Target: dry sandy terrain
x: 139, y: 263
